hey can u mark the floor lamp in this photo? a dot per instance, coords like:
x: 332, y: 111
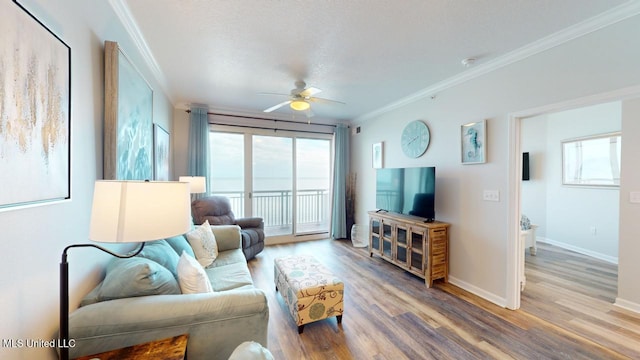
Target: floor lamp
x: 127, y: 212
x: 198, y: 184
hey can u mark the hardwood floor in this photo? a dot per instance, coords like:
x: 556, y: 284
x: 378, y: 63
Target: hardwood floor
x: 577, y: 292
x: 390, y: 314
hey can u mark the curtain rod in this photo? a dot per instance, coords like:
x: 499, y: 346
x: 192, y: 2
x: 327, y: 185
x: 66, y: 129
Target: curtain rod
x: 274, y: 129
x: 266, y: 119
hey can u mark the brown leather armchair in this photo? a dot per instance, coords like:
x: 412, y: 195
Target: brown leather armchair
x: 217, y: 209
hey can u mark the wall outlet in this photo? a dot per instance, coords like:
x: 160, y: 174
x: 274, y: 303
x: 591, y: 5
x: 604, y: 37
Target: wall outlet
x: 491, y: 195
x: 593, y: 230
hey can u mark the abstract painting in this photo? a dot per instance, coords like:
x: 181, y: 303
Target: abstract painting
x: 128, y: 138
x: 35, y: 107
x: 473, y: 141
x: 161, y: 153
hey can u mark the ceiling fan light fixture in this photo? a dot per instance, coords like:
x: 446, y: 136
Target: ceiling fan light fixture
x: 299, y: 105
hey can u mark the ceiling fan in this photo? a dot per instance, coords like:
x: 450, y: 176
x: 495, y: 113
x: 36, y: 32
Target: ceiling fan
x: 300, y: 99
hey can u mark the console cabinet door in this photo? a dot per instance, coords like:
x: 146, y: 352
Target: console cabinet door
x: 418, y: 259
x: 387, y: 236
x: 402, y: 234
x: 375, y: 228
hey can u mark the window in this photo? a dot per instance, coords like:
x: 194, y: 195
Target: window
x: 592, y: 161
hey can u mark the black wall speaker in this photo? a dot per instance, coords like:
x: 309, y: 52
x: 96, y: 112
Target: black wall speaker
x: 525, y: 166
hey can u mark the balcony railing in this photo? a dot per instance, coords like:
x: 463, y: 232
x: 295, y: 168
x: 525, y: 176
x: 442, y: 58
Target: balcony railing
x: 275, y: 207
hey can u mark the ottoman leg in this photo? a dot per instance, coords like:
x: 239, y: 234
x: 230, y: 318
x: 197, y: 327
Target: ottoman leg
x: 339, y: 317
x: 300, y: 329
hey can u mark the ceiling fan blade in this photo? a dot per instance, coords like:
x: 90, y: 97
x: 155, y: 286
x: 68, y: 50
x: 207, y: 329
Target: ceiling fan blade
x: 272, y: 94
x: 277, y: 106
x: 310, y: 91
x: 325, y: 101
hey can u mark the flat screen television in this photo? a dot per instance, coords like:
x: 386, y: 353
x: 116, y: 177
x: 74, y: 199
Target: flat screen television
x: 409, y: 191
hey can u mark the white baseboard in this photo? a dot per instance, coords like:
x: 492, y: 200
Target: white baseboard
x: 593, y: 254
x: 500, y: 301
x: 627, y: 305
x: 288, y: 239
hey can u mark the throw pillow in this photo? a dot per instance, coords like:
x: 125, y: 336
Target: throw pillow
x: 161, y: 252
x: 191, y: 276
x: 203, y: 243
x: 525, y: 223
x: 179, y: 244
x: 132, y: 277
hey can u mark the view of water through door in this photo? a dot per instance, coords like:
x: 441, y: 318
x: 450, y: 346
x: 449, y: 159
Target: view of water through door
x: 283, y: 179
x: 272, y: 195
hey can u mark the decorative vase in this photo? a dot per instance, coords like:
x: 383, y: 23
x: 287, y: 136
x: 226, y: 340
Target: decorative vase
x: 357, y: 237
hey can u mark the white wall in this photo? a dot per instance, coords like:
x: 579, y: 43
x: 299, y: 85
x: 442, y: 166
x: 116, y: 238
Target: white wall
x: 33, y: 239
x: 480, y: 231
x: 566, y: 214
x: 629, y: 266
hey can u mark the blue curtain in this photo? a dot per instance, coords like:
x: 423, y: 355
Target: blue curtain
x: 340, y: 176
x: 199, y: 145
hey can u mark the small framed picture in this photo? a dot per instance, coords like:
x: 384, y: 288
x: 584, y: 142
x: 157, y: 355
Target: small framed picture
x: 160, y: 153
x: 473, y: 140
x: 376, y: 155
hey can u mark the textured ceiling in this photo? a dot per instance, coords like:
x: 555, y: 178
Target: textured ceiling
x: 368, y: 54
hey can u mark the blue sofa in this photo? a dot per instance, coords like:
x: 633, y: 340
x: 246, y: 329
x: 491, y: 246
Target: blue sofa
x: 216, y: 322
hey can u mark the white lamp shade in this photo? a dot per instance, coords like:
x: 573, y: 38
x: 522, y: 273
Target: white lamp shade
x: 137, y: 211
x: 198, y: 183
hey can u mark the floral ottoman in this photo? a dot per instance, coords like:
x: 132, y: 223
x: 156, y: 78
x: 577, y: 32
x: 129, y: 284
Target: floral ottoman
x: 309, y: 289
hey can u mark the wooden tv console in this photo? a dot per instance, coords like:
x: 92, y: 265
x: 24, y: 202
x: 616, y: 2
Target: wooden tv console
x: 419, y: 247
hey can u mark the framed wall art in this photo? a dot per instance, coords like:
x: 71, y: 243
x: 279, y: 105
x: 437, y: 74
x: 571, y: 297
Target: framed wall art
x: 160, y: 153
x: 473, y: 140
x: 35, y: 111
x: 376, y: 155
x: 128, y: 116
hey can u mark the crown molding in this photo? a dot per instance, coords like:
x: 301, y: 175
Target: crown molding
x: 124, y: 14
x: 607, y: 18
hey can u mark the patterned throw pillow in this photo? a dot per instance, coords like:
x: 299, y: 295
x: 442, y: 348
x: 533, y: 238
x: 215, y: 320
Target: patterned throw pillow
x: 203, y: 243
x: 525, y: 223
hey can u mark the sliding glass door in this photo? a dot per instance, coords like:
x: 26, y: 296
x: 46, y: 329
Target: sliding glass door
x: 227, y: 168
x: 283, y: 179
x: 313, y: 167
x: 272, y: 195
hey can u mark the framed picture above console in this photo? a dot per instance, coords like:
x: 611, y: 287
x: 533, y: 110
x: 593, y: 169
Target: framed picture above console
x: 473, y: 142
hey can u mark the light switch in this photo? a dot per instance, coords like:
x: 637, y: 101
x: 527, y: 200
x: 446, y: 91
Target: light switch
x: 634, y: 197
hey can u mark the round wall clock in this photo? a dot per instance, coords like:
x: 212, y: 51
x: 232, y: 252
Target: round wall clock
x: 415, y: 139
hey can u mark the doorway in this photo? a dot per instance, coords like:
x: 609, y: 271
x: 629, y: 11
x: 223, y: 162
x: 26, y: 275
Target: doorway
x: 580, y: 216
x: 283, y: 178
x: 516, y: 145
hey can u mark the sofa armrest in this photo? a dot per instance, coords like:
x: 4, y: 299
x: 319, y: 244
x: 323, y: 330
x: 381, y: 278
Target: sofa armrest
x: 215, y: 322
x: 227, y: 236
x: 251, y: 222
